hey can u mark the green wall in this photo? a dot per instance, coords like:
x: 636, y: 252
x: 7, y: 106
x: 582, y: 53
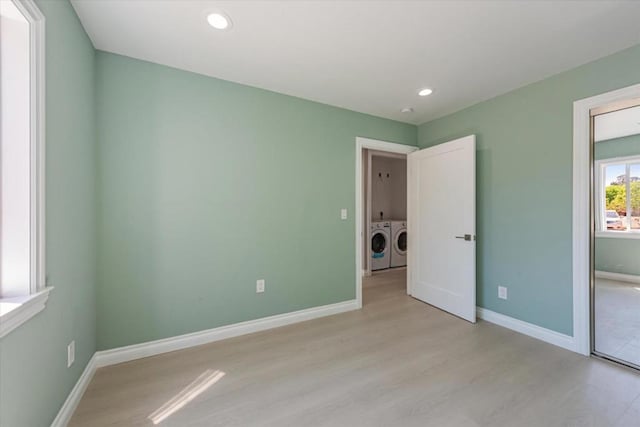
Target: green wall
x: 611, y: 254
x: 524, y: 181
x: 35, y: 380
x: 206, y: 186
x: 617, y: 255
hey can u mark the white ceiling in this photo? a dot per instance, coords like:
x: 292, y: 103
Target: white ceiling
x: 369, y: 56
x: 617, y: 124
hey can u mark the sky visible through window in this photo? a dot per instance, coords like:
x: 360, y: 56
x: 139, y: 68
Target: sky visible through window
x: 614, y: 171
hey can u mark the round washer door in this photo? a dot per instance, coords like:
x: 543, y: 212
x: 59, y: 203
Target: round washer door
x: 378, y: 244
x: 400, y: 241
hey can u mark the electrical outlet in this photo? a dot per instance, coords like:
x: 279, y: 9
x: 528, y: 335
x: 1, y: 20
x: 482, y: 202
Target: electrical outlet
x: 260, y: 286
x: 71, y: 353
x: 502, y: 292
x: 343, y: 214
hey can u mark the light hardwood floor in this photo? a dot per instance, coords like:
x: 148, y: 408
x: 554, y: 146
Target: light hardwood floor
x: 396, y: 362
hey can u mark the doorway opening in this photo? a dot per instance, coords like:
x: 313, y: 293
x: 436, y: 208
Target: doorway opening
x: 385, y: 215
x: 440, y: 222
x: 381, y: 214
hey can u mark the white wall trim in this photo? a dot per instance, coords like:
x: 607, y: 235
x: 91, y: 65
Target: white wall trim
x: 26, y: 307
x: 582, y: 224
x: 535, y: 331
x: 633, y: 235
x: 152, y: 348
x: 71, y: 403
x: 371, y: 144
x: 37, y: 109
x: 620, y: 277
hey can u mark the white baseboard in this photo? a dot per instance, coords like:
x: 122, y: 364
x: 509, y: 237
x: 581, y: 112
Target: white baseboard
x: 70, y: 405
x: 535, y: 331
x: 152, y: 348
x: 617, y: 276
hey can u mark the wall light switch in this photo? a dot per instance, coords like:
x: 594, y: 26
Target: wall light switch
x: 502, y: 292
x: 343, y: 214
x: 260, y: 286
x: 71, y: 353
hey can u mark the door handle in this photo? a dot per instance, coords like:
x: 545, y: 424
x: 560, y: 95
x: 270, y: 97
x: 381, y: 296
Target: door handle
x: 466, y: 237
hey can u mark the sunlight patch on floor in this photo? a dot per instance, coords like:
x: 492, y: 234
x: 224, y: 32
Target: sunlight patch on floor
x: 190, y: 392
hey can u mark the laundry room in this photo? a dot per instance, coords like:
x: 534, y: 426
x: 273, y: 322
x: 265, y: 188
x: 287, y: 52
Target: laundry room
x: 386, y: 210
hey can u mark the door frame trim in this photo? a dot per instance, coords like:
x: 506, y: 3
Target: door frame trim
x: 378, y: 145
x: 582, y: 220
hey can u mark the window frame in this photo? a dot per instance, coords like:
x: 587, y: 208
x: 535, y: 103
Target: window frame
x: 600, y: 194
x: 14, y: 311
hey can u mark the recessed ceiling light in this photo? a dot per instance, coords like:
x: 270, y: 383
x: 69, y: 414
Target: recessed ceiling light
x: 426, y: 91
x: 407, y: 110
x: 219, y: 21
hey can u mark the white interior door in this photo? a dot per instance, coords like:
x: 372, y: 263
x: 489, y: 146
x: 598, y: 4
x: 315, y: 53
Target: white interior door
x: 441, y: 225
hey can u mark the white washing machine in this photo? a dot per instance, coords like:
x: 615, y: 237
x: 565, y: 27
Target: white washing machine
x: 380, y: 248
x: 399, y: 243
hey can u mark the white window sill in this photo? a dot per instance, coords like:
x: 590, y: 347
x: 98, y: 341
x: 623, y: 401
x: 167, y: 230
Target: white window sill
x: 17, y: 310
x: 619, y: 234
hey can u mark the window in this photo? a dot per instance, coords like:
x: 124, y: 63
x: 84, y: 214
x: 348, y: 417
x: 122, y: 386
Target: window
x: 22, y: 274
x: 618, y: 197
